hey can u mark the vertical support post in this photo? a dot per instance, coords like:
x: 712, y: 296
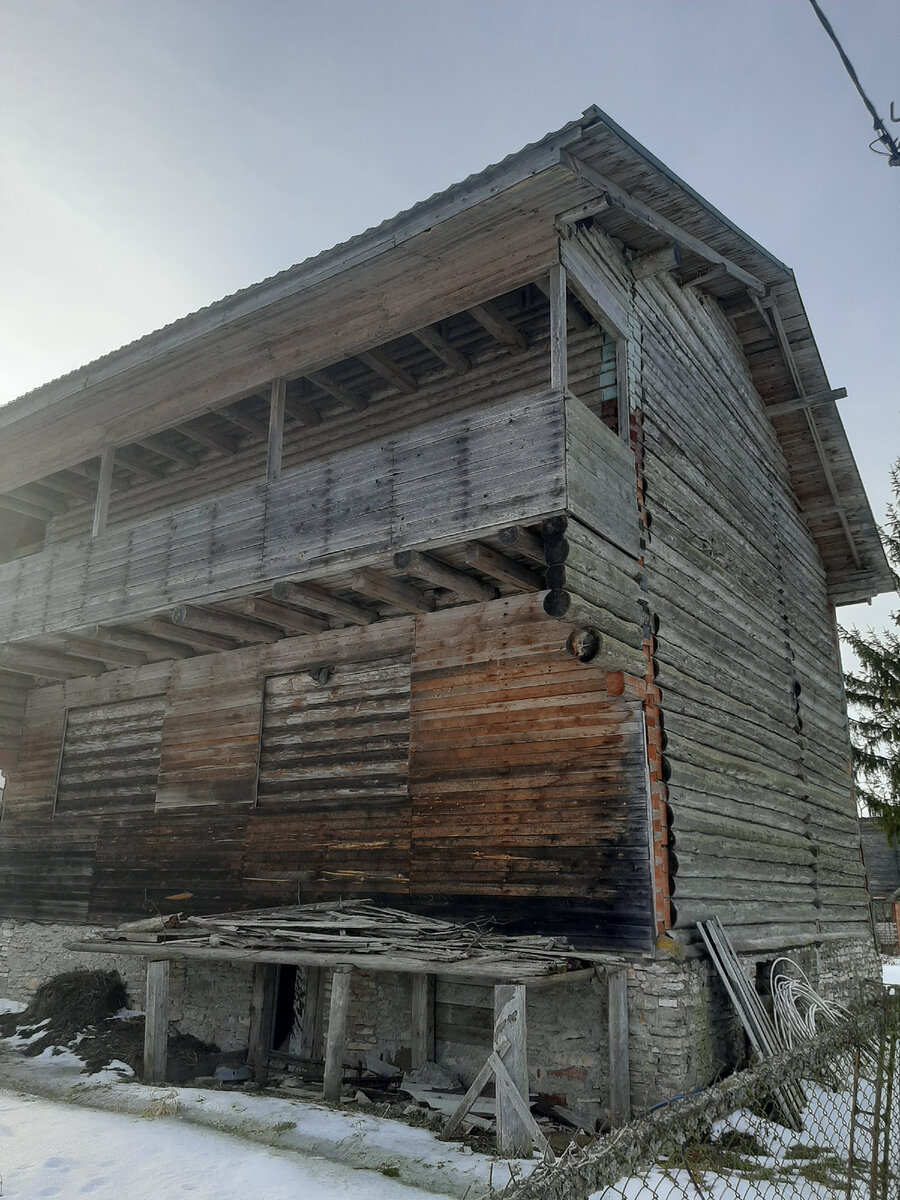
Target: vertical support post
x: 262, y: 1016
x: 619, y: 1077
x: 311, y: 1016
x: 104, y: 487
x: 559, y: 365
x: 337, y: 1033
x: 276, y: 430
x: 156, y: 1021
x: 422, y: 1020
x: 513, y: 1135
x: 623, y: 406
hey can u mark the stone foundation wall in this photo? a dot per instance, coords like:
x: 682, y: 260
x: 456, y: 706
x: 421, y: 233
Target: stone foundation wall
x: 683, y: 1028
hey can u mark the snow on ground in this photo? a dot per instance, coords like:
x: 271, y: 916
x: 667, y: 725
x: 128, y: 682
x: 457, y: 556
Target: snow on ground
x: 890, y: 971
x: 50, y: 1148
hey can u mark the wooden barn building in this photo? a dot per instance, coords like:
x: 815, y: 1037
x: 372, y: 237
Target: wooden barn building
x: 483, y: 565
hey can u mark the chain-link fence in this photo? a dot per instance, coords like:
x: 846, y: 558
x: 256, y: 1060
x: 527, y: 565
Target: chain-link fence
x: 817, y: 1123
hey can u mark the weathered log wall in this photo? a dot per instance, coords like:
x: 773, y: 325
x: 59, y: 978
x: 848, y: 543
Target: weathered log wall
x: 764, y: 830
x: 462, y: 760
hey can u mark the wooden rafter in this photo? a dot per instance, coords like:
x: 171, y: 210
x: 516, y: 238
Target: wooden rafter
x: 165, y: 449
x: 281, y: 615
x: 344, y: 395
x: 503, y: 569
x: 155, y: 649
x: 490, y: 317
x: 379, y: 361
x: 204, y: 436
x: 442, y: 349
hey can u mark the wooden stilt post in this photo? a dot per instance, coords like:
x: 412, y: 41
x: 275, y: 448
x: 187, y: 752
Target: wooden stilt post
x: 619, y: 1078
x: 262, y: 1016
x: 513, y: 1134
x: 422, y: 1020
x: 311, y: 1016
x: 337, y: 1030
x: 156, y: 1021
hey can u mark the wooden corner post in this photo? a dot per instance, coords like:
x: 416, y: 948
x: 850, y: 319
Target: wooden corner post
x: 337, y: 1033
x: 559, y: 366
x: 156, y: 1021
x: 513, y: 1133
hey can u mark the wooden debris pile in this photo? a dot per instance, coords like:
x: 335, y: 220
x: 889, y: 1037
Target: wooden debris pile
x: 354, y: 928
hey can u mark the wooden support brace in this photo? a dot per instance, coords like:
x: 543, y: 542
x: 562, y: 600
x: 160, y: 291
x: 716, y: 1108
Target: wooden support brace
x: 156, y: 1021
x: 524, y: 542
x: 104, y: 488
x: 382, y: 364
x: 619, y: 1077
x: 155, y: 649
x: 343, y: 395
x: 196, y: 639
x: 262, y: 1017
x: 337, y: 1033
x: 442, y: 349
x: 281, y: 615
x: 422, y: 1020
x: 195, y: 431
x: 490, y: 317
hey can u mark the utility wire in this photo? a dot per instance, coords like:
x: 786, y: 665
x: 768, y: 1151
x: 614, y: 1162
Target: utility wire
x: 893, y: 150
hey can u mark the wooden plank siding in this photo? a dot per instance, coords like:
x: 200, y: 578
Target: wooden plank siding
x: 529, y: 785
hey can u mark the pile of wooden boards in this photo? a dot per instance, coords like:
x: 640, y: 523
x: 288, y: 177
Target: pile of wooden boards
x: 355, y: 927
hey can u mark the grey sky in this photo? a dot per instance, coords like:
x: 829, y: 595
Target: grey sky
x: 158, y: 155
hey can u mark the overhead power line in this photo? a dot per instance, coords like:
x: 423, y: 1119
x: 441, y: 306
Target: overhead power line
x: 892, y: 149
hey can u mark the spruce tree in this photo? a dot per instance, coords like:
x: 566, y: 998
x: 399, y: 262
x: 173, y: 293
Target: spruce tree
x: 873, y: 695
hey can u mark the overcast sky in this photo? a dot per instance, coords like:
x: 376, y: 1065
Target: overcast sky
x: 159, y: 154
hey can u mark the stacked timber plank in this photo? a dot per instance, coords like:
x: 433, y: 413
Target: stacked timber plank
x: 351, y: 930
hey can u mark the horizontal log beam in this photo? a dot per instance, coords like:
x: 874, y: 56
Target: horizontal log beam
x: 391, y: 372
x: 490, y: 317
x: 431, y: 569
x: 281, y: 615
x: 128, y: 461
x: 306, y: 595
x: 524, y: 542
x: 155, y: 649
x: 598, y: 648
x: 196, y: 639
x: 442, y: 349
x: 117, y: 656
x: 228, y: 625
x: 489, y: 562
x: 69, y: 485
x: 252, y: 425
x: 47, y: 663
x: 391, y: 591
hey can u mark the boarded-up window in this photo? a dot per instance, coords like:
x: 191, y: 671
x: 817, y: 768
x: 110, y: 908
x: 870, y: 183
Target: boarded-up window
x: 346, y: 738
x: 110, y: 757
